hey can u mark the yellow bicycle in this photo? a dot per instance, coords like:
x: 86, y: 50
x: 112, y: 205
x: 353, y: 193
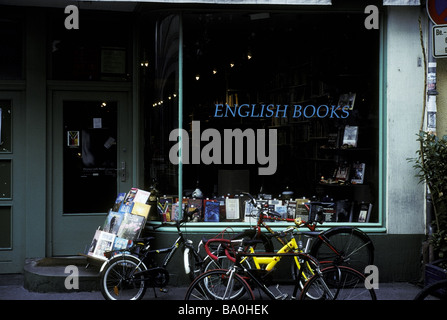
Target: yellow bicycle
x: 263, y: 263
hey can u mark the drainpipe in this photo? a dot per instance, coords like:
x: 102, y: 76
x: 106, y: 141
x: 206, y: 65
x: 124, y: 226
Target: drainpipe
x: 430, y: 116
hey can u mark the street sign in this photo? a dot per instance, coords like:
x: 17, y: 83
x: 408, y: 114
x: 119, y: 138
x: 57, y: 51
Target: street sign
x: 437, y: 11
x: 440, y: 41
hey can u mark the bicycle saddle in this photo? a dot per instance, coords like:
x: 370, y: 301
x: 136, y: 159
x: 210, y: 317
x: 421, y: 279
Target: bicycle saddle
x: 145, y: 239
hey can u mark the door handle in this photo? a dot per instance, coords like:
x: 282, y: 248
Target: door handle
x: 123, y: 171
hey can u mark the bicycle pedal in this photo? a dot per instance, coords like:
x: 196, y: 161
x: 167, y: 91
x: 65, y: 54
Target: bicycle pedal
x: 164, y: 290
x: 282, y: 296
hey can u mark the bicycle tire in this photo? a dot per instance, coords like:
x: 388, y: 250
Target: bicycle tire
x: 117, y: 281
x: 356, y: 248
x: 337, y: 283
x: 216, y: 285
x: 432, y: 291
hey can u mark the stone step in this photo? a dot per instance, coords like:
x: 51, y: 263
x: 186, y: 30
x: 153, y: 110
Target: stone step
x: 57, y: 274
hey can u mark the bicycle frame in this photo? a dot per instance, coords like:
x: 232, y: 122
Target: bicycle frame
x: 271, y: 261
x: 274, y: 258
x: 312, y: 233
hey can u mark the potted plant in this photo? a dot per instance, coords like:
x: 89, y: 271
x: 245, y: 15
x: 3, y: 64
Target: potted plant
x: 431, y: 167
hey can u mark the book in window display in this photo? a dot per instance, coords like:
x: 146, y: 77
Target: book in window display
x: 131, y: 226
x: 350, y: 136
x: 195, y: 204
x: 232, y: 208
x: 137, y: 195
x: 291, y: 209
x: 126, y: 207
x: 358, y: 173
x: 250, y: 212
x: 212, y: 211
x: 342, y: 173
x: 119, y: 200
x: 141, y: 209
x: 177, y: 212
x: 347, y: 100
x: 364, y: 212
x: 281, y: 210
x: 102, y: 242
x: 113, y: 222
x: 120, y: 244
x: 164, y: 207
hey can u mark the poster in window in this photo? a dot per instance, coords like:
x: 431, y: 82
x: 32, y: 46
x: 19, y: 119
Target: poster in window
x: 72, y: 138
x: 113, y: 60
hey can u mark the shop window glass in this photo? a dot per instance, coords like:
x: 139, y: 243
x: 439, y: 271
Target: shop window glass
x: 306, y: 76
x: 160, y: 80
x: 5, y: 227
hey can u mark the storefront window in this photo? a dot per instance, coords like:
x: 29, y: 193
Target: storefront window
x: 307, y: 81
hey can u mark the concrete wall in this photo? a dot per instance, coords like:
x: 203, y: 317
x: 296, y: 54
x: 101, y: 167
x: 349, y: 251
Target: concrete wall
x: 404, y: 102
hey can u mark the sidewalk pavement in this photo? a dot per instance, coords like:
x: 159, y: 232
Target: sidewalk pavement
x: 12, y: 288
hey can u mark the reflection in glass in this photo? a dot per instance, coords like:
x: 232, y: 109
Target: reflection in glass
x: 161, y: 86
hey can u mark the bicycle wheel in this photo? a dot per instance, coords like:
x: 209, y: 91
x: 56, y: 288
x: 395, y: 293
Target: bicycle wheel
x: 434, y: 291
x: 337, y: 283
x: 308, y: 270
x: 219, y: 284
x: 355, y: 249
x: 118, y: 280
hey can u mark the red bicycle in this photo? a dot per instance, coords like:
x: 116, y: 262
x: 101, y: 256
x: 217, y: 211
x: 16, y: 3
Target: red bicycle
x: 341, y: 246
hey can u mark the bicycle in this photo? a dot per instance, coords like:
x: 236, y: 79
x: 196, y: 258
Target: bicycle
x: 128, y: 273
x: 263, y: 263
x: 434, y: 291
x: 342, y: 245
x: 230, y: 284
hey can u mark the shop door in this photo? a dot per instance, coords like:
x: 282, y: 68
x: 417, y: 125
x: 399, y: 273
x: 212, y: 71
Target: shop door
x: 92, y: 151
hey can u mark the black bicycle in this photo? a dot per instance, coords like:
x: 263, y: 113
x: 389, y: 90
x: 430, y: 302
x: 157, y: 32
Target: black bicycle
x: 128, y: 273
